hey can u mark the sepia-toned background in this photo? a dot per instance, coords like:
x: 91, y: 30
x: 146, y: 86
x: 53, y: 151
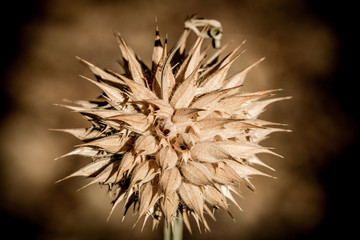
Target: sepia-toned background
x: 308, y: 54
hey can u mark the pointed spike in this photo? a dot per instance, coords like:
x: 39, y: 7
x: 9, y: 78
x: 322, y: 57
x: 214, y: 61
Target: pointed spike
x: 239, y: 78
x: 227, y: 59
x: 215, y: 80
x: 88, y: 170
x: 157, y: 50
x: 185, y: 93
x: 209, y: 212
x: 133, y: 64
x: 116, y: 202
x: 113, y: 93
x: 186, y: 220
x: 99, y: 72
x: 145, y: 219
x: 194, y: 57
x: 213, y: 58
x: 196, y: 217
x: 139, y: 91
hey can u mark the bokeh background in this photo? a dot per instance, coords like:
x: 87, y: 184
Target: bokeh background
x: 310, y: 53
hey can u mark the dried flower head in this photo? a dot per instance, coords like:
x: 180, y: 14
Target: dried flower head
x: 178, y: 138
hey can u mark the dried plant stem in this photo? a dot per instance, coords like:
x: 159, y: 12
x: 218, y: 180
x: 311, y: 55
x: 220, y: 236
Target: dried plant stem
x: 174, y: 232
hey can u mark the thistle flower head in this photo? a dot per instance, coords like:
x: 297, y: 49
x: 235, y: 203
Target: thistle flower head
x: 177, y: 138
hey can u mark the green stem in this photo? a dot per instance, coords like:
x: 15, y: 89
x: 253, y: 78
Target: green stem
x: 174, y: 232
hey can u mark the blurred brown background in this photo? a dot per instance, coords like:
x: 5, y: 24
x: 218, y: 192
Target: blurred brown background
x: 308, y: 51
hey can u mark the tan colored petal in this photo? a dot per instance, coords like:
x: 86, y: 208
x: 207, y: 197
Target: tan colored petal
x: 235, y: 103
x: 186, y: 219
x: 144, y: 172
x: 99, y: 72
x: 226, y: 191
x: 170, y: 181
x: 170, y: 205
x: 255, y: 160
x: 93, y: 104
x: 148, y: 197
x: 115, y: 95
x: 256, y: 108
x: 82, y: 133
x: 83, y: 151
x: 139, y: 91
x: 185, y: 93
x: 134, y: 66
x: 238, y: 149
x: 146, y: 145
x: 208, y: 152
x: 117, y: 200
x: 238, y: 79
x: 114, y: 143
x: 185, y: 114
x: 127, y: 163
x: 215, y: 66
x: 168, y: 82
x: 228, y: 60
x: 193, y: 197
x: 214, y: 81
x: 209, y: 124
x: 180, y: 76
x: 210, y: 99
x: 135, y: 122
x: 157, y: 50
x: 240, y: 125
x: 196, y: 173
x: 194, y: 57
x: 224, y: 174
x: 108, y: 175
x: 89, y: 169
x: 215, y: 56
x: 102, y: 113
x: 245, y: 170
x: 164, y: 109
x: 156, y: 83
x: 215, y: 197
x: 167, y: 157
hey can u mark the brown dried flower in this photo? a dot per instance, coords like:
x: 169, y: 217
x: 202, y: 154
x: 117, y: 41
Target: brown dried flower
x: 178, y: 138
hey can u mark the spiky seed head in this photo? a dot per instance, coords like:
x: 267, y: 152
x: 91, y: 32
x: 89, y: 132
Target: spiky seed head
x: 177, y: 138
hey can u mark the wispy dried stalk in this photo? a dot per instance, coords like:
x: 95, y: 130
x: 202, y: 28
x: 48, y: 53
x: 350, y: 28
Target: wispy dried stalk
x: 179, y: 137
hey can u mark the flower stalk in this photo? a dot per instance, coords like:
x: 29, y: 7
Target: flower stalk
x: 175, y: 231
